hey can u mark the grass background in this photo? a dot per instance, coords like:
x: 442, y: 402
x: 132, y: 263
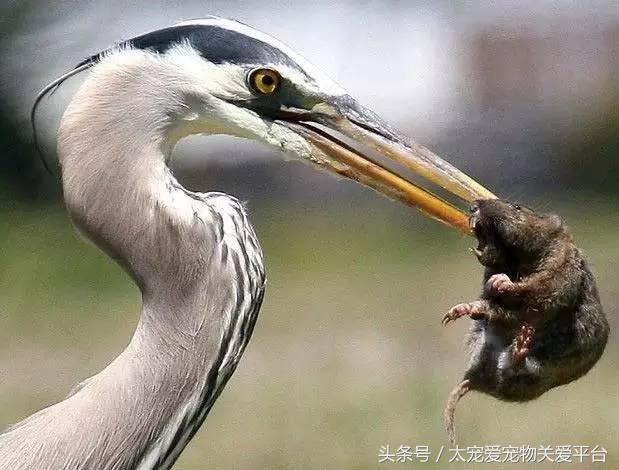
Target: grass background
x: 348, y: 353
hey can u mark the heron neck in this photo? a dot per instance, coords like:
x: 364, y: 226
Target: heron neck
x: 114, y: 141
x: 198, y: 312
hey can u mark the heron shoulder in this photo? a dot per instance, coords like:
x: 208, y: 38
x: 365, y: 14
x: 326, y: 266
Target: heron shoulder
x: 233, y: 232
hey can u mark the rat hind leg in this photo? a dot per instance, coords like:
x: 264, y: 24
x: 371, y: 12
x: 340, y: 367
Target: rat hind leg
x: 523, y: 343
x: 476, y: 310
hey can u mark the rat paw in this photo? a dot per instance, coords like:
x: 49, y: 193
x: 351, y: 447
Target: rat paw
x: 519, y: 355
x: 522, y: 344
x: 498, y: 284
x: 472, y: 309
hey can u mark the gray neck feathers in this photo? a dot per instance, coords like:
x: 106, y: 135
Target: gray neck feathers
x: 184, y: 251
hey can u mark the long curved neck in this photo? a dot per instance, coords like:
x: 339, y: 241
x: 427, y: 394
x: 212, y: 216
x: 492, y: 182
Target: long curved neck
x: 116, y: 184
x: 188, y: 254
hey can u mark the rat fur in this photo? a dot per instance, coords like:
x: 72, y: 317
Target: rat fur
x: 539, y: 322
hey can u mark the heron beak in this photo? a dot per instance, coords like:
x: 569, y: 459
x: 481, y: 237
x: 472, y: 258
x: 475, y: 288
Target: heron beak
x: 367, y: 130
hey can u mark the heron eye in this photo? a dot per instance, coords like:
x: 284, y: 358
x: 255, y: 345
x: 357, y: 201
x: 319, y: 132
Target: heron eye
x: 517, y: 207
x: 264, y: 81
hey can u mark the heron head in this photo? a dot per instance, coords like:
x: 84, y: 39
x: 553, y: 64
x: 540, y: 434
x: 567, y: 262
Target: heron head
x: 248, y: 84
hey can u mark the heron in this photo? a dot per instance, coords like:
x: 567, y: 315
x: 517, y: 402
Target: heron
x: 194, y: 256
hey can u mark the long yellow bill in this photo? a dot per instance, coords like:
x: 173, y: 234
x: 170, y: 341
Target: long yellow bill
x: 367, y: 130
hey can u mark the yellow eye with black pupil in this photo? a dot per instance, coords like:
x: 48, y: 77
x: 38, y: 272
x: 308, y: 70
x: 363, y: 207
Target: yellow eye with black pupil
x: 265, y: 81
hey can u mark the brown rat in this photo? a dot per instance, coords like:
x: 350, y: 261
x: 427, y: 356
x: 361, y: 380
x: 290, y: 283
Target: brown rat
x: 538, y: 323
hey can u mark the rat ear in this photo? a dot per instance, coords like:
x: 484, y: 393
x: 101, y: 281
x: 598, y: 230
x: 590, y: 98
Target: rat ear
x: 557, y: 222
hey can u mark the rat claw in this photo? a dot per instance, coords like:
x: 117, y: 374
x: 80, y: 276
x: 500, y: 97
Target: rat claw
x: 519, y: 355
x: 448, y: 318
x: 454, y: 313
x: 522, y: 344
x: 471, y: 309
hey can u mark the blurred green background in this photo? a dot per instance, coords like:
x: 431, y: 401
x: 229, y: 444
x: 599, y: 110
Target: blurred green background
x: 348, y: 354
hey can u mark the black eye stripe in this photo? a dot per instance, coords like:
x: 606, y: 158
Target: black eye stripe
x: 215, y: 43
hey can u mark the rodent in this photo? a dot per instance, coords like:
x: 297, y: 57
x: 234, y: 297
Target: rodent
x: 539, y: 322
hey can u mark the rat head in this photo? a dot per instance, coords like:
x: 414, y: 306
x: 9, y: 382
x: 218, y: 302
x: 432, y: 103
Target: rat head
x: 509, y: 233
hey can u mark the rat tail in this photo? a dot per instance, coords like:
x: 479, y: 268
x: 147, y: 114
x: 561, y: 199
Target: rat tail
x: 450, y: 408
